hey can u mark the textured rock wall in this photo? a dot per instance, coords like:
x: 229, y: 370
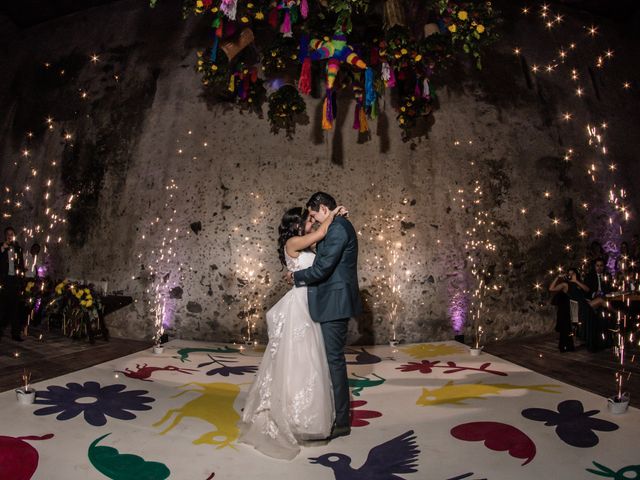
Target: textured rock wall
x: 157, y: 161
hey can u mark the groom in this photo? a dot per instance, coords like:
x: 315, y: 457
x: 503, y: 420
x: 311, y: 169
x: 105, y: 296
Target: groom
x: 334, y: 297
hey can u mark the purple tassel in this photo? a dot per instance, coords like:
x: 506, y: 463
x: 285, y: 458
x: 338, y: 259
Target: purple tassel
x: 304, y: 8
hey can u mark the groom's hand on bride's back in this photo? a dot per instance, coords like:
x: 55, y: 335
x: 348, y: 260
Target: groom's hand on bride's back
x: 288, y: 277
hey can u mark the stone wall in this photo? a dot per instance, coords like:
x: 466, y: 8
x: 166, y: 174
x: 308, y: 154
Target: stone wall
x: 156, y: 158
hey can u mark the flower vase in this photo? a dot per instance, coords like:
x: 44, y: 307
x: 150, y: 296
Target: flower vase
x: 475, y: 351
x: 25, y: 397
x: 158, y: 349
x: 618, y: 404
x: 393, y: 343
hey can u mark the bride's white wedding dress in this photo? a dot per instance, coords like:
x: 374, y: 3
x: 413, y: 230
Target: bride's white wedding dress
x: 291, y: 399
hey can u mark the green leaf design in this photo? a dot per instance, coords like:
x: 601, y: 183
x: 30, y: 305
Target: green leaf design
x: 117, y: 466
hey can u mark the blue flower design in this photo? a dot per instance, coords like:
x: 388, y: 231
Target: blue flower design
x: 95, y: 401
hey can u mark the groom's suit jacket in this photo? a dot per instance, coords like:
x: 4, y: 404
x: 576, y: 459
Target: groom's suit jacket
x: 332, y: 280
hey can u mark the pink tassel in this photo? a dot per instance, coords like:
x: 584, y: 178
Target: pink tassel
x: 304, y: 8
x: 392, y: 79
x: 416, y: 91
x: 285, y: 28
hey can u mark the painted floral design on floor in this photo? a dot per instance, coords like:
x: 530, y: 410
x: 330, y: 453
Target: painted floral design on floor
x: 95, y: 401
x: 427, y: 366
x: 573, y: 425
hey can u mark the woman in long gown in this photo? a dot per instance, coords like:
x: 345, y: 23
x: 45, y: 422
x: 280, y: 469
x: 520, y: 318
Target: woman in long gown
x: 291, y: 399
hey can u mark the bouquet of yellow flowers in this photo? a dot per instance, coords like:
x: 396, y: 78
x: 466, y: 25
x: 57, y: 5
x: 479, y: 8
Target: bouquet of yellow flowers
x: 80, y: 308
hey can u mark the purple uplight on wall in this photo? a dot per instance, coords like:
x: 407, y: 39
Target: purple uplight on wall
x: 458, y: 309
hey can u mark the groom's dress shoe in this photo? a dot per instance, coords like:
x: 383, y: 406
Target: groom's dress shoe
x: 340, y: 432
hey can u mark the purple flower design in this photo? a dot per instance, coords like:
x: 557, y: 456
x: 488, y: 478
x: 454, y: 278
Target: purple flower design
x: 95, y: 401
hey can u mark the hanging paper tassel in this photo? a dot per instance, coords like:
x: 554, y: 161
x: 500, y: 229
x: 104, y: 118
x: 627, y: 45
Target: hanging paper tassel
x: 304, y: 8
x: 273, y: 18
x: 373, y: 113
x: 285, y: 28
x: 232, y: 83
x: 375, y: 56
x: 356, y: 117
x: 392, y: 79
x: 364, y: 127
x: 370, y: 93
x: 426, y: 91
x: 416, y: 90
x: 327, y: 113
x: 304, y: 84
x: 386, y: 72
x: 229, y: 8
x: 214, y: 49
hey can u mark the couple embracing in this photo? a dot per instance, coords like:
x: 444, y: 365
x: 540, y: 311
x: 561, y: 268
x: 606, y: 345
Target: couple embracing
x: 301, y: 391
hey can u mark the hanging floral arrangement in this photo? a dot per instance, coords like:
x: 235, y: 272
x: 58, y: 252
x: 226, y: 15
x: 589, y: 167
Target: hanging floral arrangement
x: 363, y: 46
x: 286, y: 109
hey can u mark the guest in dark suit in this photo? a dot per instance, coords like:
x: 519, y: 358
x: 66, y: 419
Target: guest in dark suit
x: 334, y: 297
x: 11, y: 274
x: 599, y: 284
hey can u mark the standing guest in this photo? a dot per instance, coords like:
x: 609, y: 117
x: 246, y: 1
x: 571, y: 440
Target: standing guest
x: 11, y: 273
x: 567, y: 288
x: 32, y: 261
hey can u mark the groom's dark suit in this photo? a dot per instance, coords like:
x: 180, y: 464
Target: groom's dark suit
x: 334, y: 297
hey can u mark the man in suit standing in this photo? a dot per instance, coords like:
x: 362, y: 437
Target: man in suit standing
x: 11, y: 273
x: 334, y: 297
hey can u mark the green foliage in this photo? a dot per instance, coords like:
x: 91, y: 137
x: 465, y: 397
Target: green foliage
x: 286, y: 106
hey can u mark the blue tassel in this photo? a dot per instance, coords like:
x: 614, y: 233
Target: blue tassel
x: 214, y: 49
x: 304, y: 48
x: 369, y: 92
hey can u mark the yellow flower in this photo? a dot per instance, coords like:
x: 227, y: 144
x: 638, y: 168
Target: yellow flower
x: 401, y: 120
x: 480, y: 28
x: 403, y: 51
x: 462, y: 15
x: 199, y: 4
x: 452, y: 28
x: 274, y: 53
x: 418, y: 58
x: 89, y: 303
x: 214, y: 67
x: 403, y: 109
x: 214, y: 10
x: 259, y: 16
x: 249, y: 5
x: 244, y: 20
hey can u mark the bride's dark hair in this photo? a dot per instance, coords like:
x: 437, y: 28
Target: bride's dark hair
x: 291, y: 225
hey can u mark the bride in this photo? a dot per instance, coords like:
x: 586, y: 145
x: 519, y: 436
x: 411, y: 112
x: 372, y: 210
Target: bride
x: 291, y: 399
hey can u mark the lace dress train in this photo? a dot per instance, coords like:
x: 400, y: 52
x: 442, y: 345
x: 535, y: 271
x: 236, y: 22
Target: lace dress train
x: 291, y: 399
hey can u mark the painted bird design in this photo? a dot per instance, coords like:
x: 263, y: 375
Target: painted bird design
x: 385, y: 461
